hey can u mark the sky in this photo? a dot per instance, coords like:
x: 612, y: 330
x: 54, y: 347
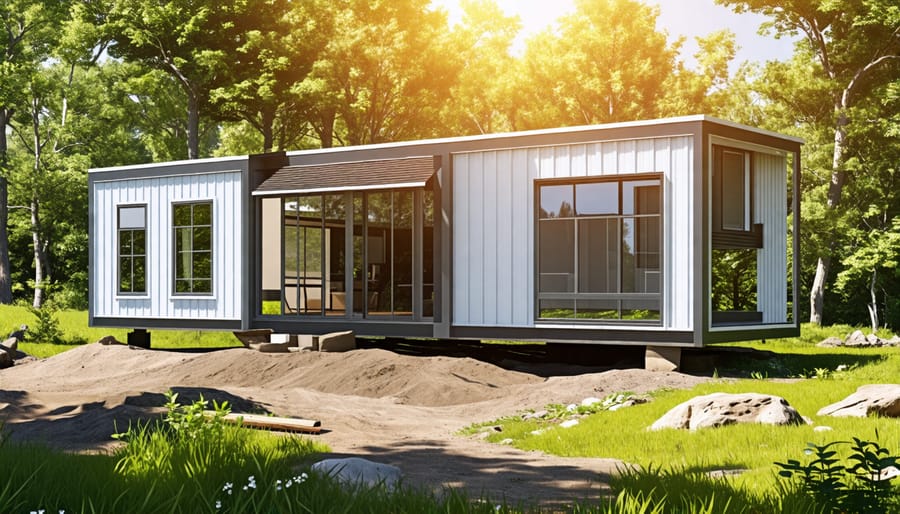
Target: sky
x: 689, y: 18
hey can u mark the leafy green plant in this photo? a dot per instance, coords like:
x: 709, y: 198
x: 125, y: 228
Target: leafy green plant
x: 46, y: 329
x: 857, y: 484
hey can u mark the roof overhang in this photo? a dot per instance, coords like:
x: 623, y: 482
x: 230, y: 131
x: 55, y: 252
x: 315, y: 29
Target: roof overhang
x: 407, y: 172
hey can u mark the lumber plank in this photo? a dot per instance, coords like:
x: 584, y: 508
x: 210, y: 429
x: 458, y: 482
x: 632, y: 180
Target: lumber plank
x: 310, y: 426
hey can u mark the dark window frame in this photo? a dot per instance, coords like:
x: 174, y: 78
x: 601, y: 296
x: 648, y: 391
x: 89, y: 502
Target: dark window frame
x: 619, y: 297
x: 175, y: 253
x: 728, y: 237
x: 120, y: 232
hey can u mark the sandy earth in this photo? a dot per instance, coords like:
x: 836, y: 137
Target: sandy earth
x: 397, y: 409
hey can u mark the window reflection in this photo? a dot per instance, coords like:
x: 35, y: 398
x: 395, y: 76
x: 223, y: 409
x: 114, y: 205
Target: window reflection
x: 599, y: 257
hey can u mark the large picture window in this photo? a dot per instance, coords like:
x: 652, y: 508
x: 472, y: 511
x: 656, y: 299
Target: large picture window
x: 193, y: 247
x: 599, y: 250
x: 132, y: 223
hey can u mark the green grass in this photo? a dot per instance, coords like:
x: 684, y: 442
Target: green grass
x: 75, y: 331
x: 752, y: 448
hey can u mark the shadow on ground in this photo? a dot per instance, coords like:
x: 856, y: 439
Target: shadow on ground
x: 504, y: 474
x: 89, y: 426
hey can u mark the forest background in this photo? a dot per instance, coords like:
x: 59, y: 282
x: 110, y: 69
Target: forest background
x: 96, y: 83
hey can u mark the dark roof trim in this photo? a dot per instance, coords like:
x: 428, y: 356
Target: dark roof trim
x: 351, y: 176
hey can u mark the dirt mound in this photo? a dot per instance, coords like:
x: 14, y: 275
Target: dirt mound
x: 425, y: 381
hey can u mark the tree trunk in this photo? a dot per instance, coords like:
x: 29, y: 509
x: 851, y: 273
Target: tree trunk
x: 193, y: 127
x: 817, y: 291
x: 873, y: 302
x: 835, y: 188
x: 41, y: 266
x: 5, y: 271
x: 268, y: 131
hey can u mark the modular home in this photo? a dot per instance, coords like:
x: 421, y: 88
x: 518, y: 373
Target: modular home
x: 672, y: 232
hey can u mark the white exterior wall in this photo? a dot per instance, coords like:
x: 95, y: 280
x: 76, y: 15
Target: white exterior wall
x: 493, y: 224
x: 770, y: 208
x: 158, y: 194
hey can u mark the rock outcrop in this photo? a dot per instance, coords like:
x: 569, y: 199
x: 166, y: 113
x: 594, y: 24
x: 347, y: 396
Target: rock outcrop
x: 719, y: 409
x: 868, y: 400
x: 859, y: 340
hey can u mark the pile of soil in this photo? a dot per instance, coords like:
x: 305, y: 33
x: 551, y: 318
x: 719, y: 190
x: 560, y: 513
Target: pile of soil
x: 397, y: 409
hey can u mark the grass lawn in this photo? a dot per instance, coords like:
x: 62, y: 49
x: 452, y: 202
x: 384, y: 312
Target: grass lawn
x: 753, y: 449
x: 74, y: 327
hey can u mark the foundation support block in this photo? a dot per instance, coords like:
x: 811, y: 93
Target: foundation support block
x: 662, y: 358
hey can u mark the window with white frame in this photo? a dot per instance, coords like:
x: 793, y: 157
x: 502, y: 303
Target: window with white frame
x: 599, y: 249
x: 132, y: 228
x: 192, y: 225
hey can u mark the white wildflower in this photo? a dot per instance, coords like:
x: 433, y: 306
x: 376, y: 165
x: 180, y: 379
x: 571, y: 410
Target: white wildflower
x: 218, y: 504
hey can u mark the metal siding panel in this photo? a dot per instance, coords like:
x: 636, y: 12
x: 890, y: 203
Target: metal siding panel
x: 627, y: 157
x: 491, y: 206
x: 546, y: 163
x: 461, y: 238
x: 520, y: 248
x: 161, y: 238
x: 579, y: 166
x: 476, y: 241
x: 105, y: 244
x: 506, y: 176
x: 645, y: 156
x: 770, y: 209
x: 610, y: 159
x: 530, y: 244
x: 594, y: 159
x: 562, y: 162
x: 679, y: 259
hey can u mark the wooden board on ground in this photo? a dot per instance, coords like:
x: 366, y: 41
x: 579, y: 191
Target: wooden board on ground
x: 309, y: 426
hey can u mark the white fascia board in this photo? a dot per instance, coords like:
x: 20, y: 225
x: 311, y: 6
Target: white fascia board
x: 377, y: 187
x: 150, y: 165
x: 559, y: 130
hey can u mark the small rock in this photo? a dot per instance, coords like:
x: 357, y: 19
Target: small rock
x: 541, y: 414
x: 627, y: 403
x: 894, y: 341
x: 569, y: 423
x: 857, y: 338
x: 868, y: 400
x: 889, y: 473
x: 822, y: 428
x: 537, y: 432
x: 19, y: 335
x: 831, y: 342
x: 571, y: 407
x: 507, y: 441
x: 587, y: 402
x: 10, y: 346
x: 108, y: 340
x: 354, y: 470
x: 874, y: 340
x: 6, y: 360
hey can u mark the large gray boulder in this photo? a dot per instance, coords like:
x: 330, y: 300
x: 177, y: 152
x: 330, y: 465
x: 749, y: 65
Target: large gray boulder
x: 718, y: 409
x: 6, y: 359
x: 358, y: 471
x: 868, y: 400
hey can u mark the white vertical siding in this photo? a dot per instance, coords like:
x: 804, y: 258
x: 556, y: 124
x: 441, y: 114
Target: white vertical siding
x: 770, y: 209
x: 158, y: 194
x: 493, y: 223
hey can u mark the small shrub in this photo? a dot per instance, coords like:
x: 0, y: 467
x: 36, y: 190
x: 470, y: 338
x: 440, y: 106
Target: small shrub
x: 46, y: 329
x: 855, y: 484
